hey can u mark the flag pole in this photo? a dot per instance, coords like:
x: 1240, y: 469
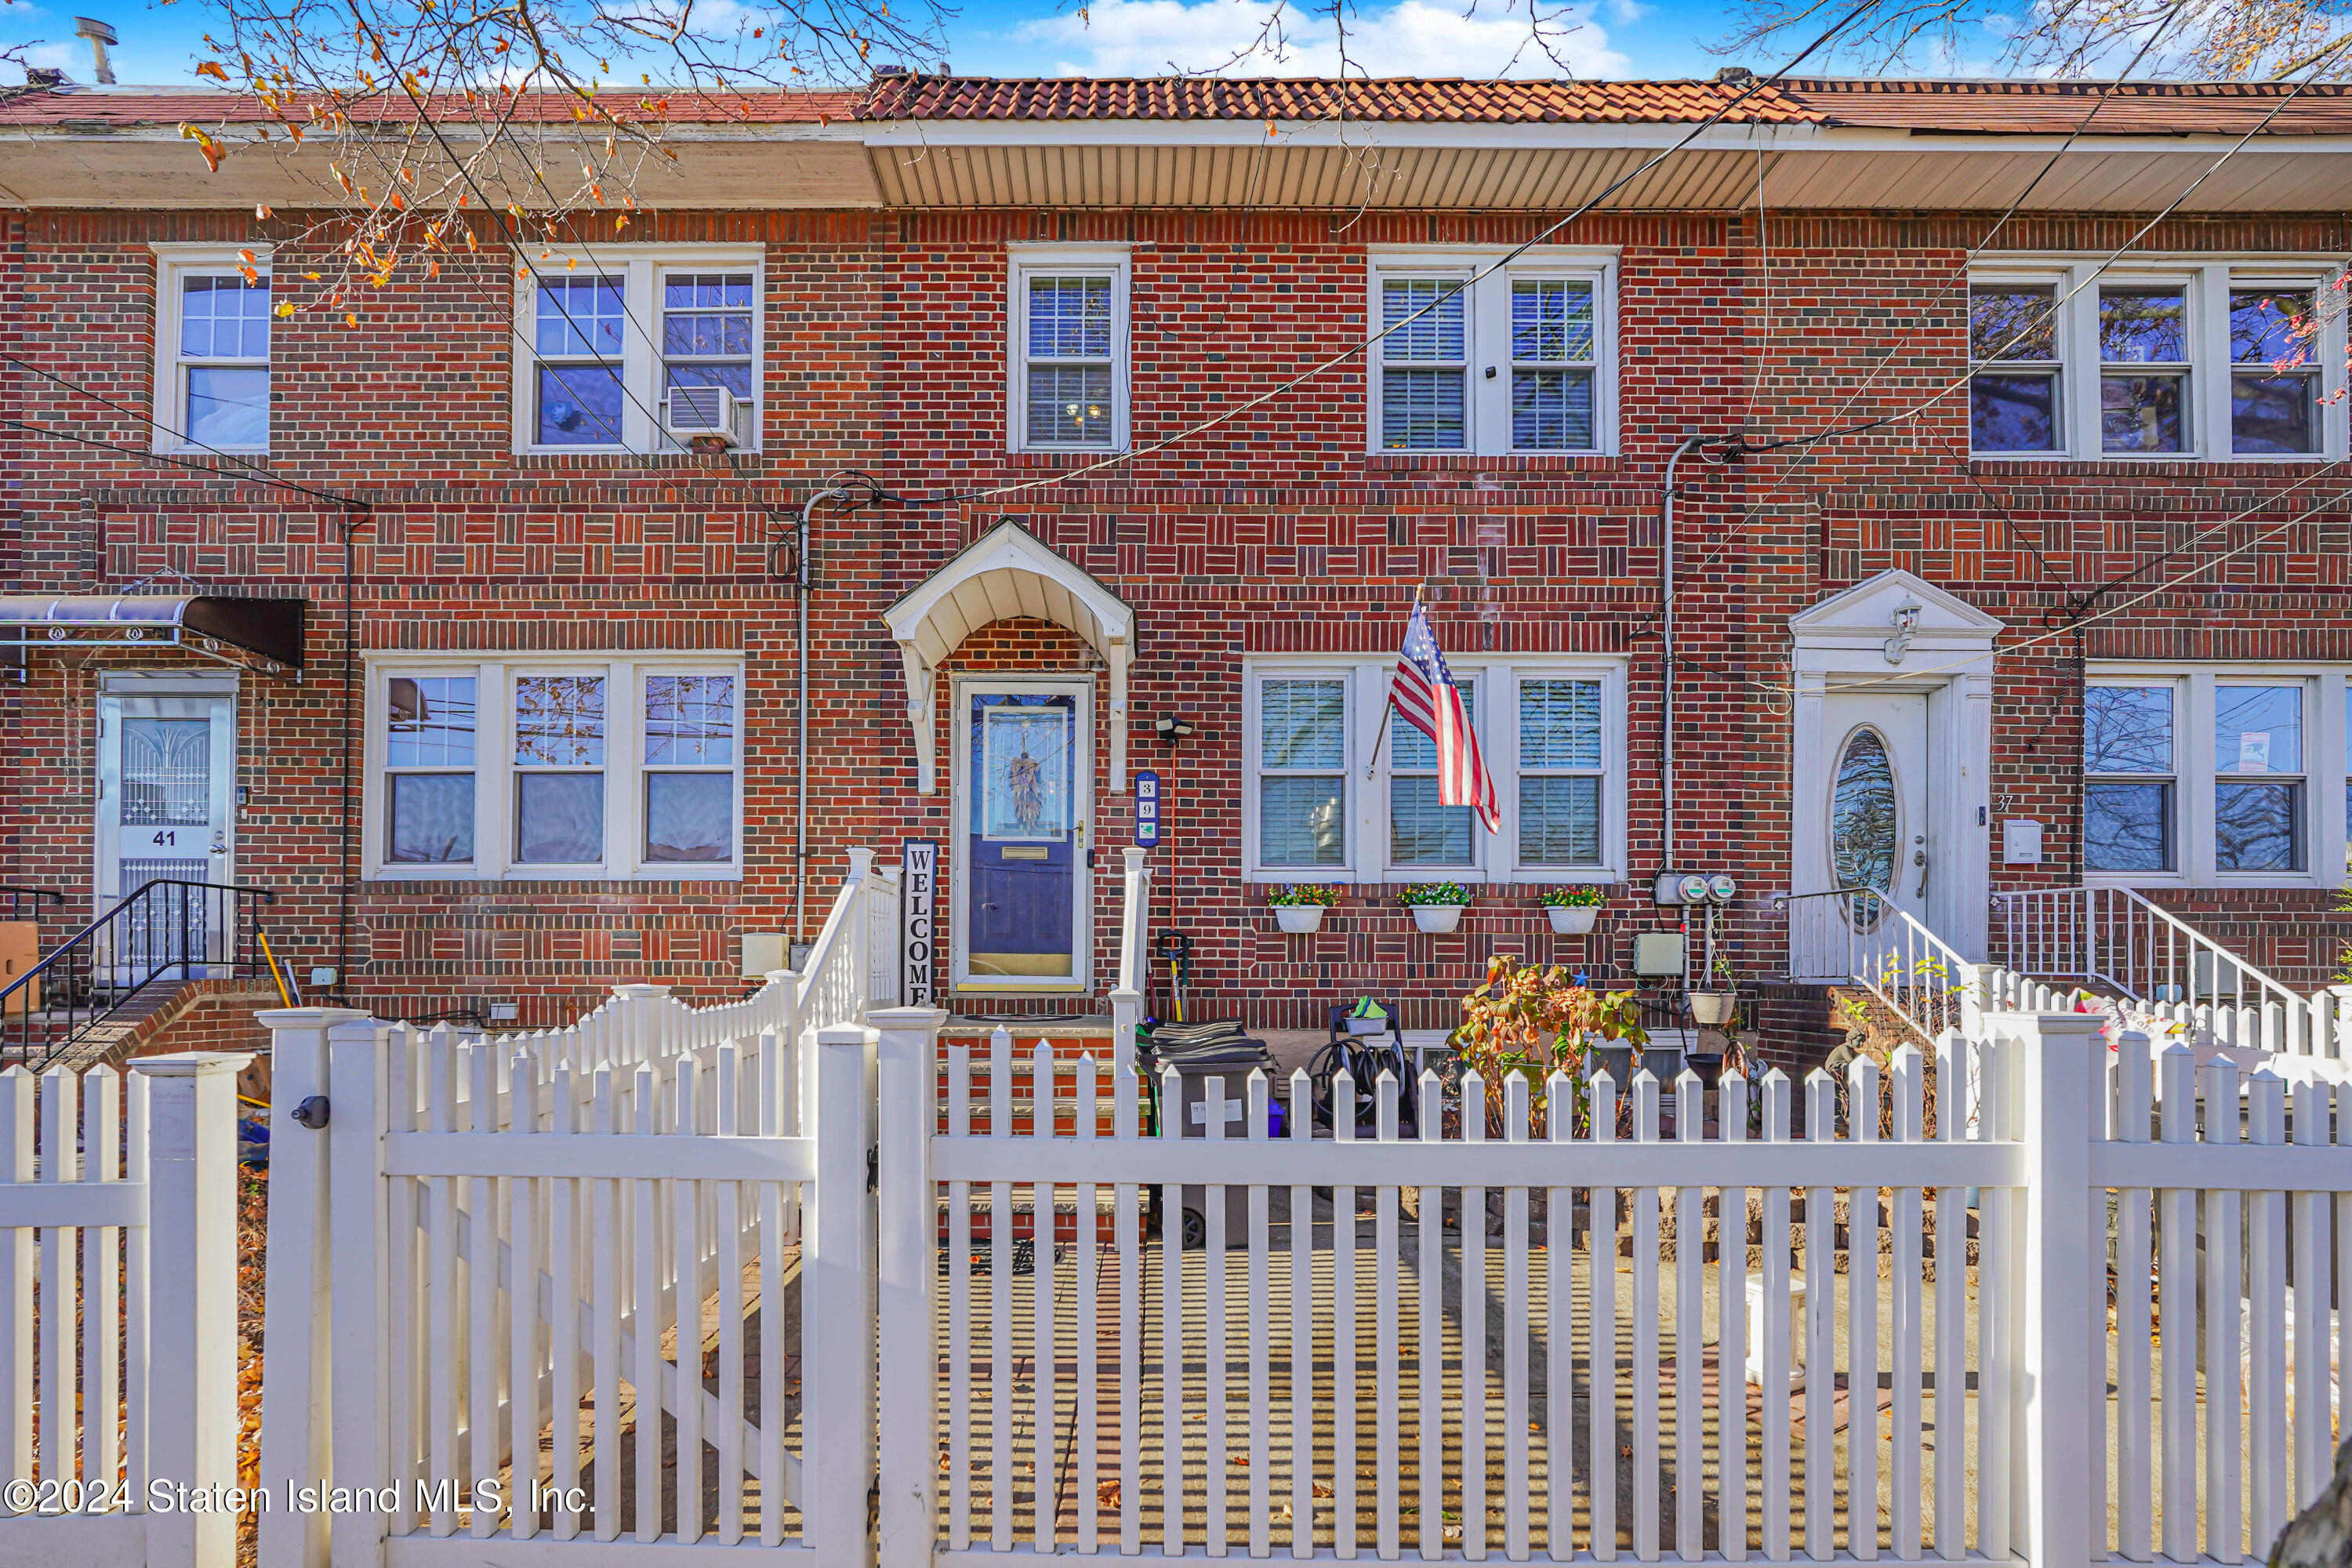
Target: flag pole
x: 1388, y: 704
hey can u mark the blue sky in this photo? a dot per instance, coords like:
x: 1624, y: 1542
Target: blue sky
x: 1036, y: 38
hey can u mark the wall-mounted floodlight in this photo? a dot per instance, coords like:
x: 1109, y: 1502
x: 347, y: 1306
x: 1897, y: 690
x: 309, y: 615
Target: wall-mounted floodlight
x: 1172, y: 729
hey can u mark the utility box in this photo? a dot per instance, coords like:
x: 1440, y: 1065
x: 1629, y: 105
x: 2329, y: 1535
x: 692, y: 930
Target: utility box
x: 20, y: 949
x: 1658, y: 952
x: 762, y: 950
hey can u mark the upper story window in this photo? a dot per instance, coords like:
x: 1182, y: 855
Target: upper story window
x: 1313, y: 811
x: 2214, y: 776
x: 1068, y: 315
x: 2199, y: 359
x: 1516, y: 361
x: 639, y: 349
x: 212, y: 349
x: 567, y: 768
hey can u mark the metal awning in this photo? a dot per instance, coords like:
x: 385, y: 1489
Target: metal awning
x: 250, y: 633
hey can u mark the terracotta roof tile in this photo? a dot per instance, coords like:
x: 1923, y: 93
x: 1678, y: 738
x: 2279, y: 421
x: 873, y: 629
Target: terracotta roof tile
x: 2048, y: 108
x: 1441, y: 99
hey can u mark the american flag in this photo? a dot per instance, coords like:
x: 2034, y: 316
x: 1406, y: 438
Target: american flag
x: 1427, y: 699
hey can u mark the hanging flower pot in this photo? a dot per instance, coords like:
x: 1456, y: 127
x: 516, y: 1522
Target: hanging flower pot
x: 1710, y: 1009
x: 1437, y: 906
x: 1299, y: 909
x: 1572, y: 911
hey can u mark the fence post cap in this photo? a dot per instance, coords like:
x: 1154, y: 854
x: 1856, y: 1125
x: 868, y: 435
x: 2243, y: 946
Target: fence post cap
x: 640, y: 988
x: 781, y: 976
x: 860, y: 862
x: 904, y: 1017
x: 2340, y: 991
x: 842, y: 1034
x: 1135, y: 853
x: 191, y: 1064
x: 307, y: 1017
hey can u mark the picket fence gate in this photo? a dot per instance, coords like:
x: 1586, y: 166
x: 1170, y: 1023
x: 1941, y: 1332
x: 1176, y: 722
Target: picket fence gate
x: 119, y: 1417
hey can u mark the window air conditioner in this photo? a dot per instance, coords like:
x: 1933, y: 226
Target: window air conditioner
x: 692, y: 411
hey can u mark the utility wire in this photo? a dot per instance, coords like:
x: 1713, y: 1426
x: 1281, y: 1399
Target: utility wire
x: 349, y: 502
x: 1755, y: 85
x: 1958, y: 281
x: 1749, y: 449
x: 242, y: 461
x: 2119, y: 608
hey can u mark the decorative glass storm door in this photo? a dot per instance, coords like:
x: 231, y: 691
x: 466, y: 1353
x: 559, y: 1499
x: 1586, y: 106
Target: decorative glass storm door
x: 1023, y: 780
x: 166, y: 769
x: 1877, y: 810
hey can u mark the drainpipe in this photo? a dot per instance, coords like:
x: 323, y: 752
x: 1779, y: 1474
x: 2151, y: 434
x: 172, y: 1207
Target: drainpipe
x: 1666, y: 631
x: 800, y: 748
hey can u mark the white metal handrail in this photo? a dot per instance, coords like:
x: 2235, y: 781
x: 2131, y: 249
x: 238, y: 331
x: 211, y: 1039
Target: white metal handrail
x: 2112, y: 939
x: 1860, y: 936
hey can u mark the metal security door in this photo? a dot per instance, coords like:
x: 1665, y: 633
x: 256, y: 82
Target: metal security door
x: 166, y: 782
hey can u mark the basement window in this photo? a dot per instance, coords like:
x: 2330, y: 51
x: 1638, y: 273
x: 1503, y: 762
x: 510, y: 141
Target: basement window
x: 572, y: 769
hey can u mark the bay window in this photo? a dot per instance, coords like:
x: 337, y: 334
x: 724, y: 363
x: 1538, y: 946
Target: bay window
x: 574, y: 768
x: 1321, y: 805
x: 2213, y: 775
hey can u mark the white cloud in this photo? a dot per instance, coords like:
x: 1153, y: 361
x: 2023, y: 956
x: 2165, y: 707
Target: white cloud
x: 1408, y: 38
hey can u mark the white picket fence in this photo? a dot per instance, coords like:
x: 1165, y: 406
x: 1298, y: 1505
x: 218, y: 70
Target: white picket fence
x: 117, y: 1197
x: 1297, y: 1387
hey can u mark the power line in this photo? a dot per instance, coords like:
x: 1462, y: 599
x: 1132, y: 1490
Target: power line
x: 1746, y: 448
x: 349, y: 502
x: 1959, y: 281
x: 2075, y: 625
x: 1755, y: 85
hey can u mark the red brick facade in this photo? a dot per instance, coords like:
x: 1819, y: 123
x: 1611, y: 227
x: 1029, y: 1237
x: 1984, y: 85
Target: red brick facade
x: 885, y: 354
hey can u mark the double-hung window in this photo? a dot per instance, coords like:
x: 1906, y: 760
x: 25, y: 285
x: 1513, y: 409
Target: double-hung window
x: 1068, y: 314
x: 1480, y: 355
x: 2216, y: 776
x: 639, y: 349
x: 212, y: 349
x: 1321, y: 805
x: 2183, y: 359
x: 574, y: 768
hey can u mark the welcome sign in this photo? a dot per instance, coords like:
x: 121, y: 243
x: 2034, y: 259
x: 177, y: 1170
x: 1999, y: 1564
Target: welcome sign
x: 918, y: 885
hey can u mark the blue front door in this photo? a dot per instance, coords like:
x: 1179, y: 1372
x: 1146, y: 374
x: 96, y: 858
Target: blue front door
x: 1024, y: 836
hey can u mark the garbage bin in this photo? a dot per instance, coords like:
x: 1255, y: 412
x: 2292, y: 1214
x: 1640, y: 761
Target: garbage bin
x: 1191, y: 1113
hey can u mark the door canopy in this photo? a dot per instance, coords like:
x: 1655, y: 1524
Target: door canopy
x: 1008, y: 573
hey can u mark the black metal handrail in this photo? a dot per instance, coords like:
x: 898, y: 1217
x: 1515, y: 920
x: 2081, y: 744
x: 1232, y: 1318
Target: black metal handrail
x: 165, y: 930
x: 16, y: 896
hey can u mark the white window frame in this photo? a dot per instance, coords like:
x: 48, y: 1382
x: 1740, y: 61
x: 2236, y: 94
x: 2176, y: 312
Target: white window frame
x: 640, y: 269
x: 1487, y: 325
x: 2208, y: 282
x: 1024, y: 261
x: 2194, y: 777
x: 624, y: 768
x: 1496, y: 856
x: 175, y: 264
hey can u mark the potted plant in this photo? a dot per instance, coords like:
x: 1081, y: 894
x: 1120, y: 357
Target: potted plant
x: 1299, y: 908
x: 1572, y: 911
x: 1437, y: 906
x: 1712, y: 1009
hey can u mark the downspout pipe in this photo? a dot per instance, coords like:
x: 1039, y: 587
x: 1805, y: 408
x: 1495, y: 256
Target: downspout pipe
x: 802, y: 584
x: 1666, y: 634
